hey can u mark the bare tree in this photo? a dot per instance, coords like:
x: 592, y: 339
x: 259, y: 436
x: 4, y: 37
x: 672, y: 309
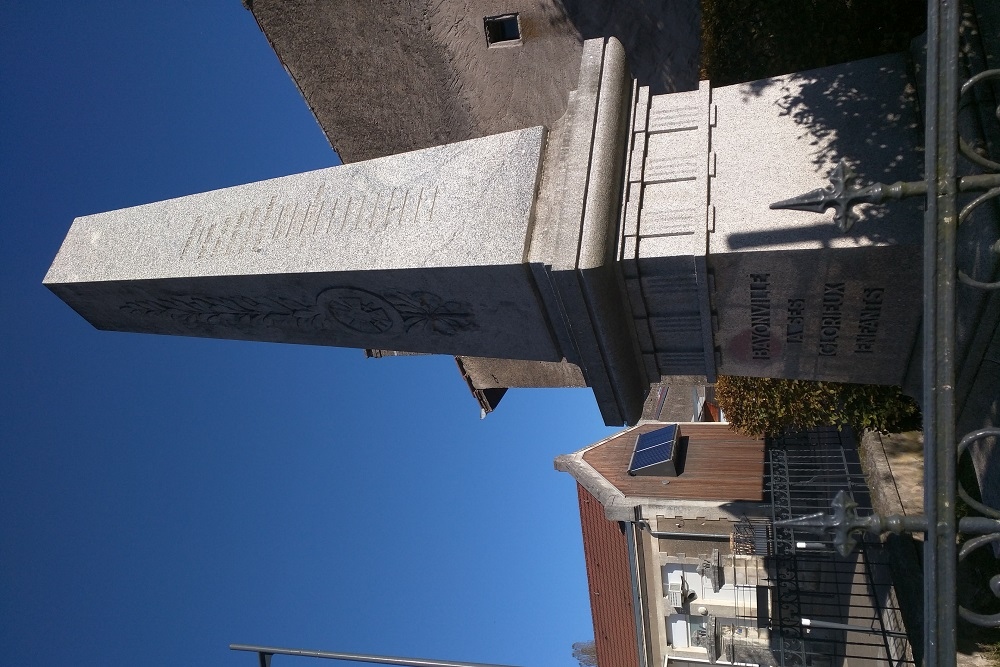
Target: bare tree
x: 585, y: 653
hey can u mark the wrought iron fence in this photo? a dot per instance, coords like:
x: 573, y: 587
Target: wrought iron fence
x: 942, y: 187
x: 828, y: 605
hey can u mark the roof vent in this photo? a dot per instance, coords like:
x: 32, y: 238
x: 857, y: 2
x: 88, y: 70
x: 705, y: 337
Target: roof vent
x: 503, y: 30
x: 656, y: 452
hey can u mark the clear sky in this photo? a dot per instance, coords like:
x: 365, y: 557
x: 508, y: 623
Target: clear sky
x: 162, y: 497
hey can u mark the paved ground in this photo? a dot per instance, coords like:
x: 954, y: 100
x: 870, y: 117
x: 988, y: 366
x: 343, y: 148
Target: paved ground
x: 895, y: 472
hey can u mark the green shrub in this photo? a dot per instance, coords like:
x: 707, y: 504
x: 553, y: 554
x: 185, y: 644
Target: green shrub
x: 769, y: 406
x: 744, y: 40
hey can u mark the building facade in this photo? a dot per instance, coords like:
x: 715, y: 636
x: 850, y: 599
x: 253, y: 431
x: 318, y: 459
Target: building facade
x: 388, y: 76
x: 692, y: 569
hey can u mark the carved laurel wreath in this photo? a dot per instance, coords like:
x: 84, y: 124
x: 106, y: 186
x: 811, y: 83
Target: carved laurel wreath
x: 356, y: 309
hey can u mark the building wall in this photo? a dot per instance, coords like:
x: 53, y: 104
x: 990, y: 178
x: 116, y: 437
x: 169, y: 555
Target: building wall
x: 735, y: 609
x: 388, y: 76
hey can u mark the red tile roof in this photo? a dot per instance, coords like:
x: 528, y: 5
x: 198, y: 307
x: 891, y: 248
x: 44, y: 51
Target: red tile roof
x: 606, y: 553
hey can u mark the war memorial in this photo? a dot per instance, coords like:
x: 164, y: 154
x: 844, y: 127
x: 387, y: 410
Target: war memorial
x: 633, y: 239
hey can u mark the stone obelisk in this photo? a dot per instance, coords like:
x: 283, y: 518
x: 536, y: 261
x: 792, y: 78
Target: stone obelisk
x: 443, y: 250
x: 631, y: 243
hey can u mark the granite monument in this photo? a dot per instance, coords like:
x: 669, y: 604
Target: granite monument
x: 630, y: 242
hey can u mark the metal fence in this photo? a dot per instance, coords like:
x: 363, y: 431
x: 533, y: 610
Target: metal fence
x: 950, y: 200
x: 827, y: 606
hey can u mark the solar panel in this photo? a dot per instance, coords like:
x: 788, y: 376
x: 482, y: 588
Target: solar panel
x: 651, y: 456
x: 653, y: 450
x: 667, y: 434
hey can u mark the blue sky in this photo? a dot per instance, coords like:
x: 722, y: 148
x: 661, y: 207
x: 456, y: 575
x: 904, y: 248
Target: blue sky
x: 162, y: 497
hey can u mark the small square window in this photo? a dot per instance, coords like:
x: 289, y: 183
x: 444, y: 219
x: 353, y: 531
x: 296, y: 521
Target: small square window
x: 504, y: 30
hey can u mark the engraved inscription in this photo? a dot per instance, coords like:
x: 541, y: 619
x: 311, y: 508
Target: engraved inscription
x: 868, y: 320
x: 348, y: 307
x: 760, y: 315
x: 283, y: 221
x: 829, y: 332
x: 795, y: 321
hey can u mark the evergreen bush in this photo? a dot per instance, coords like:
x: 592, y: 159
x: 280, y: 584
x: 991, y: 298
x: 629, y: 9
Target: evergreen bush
x: 769, y: 406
